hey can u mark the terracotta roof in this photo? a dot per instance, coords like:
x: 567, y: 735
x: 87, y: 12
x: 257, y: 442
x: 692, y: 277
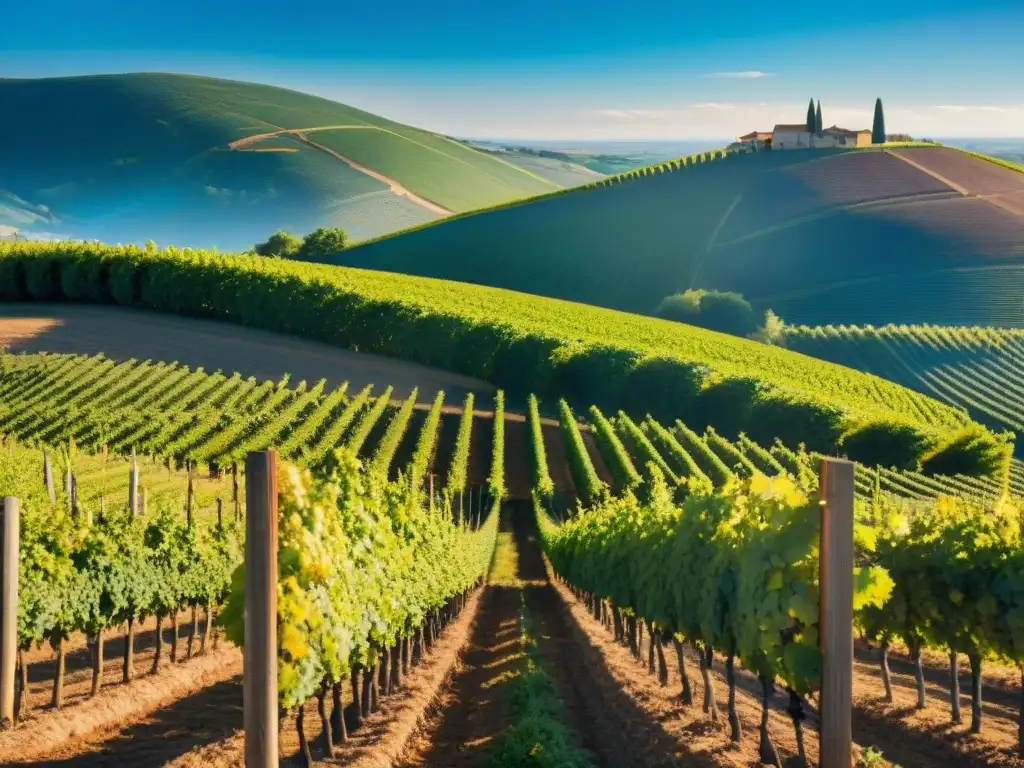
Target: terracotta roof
x: 846, y: 131
x: 802, y: 127
x: 757, y: 135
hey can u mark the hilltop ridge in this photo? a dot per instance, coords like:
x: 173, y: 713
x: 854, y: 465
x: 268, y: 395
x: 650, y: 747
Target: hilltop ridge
x: 894, y: 234
x: 235, y: 160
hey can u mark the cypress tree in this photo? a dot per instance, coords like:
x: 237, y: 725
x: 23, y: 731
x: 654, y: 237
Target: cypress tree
x: 817, y: 120
x: 878, y: 129
x: 810, y: 117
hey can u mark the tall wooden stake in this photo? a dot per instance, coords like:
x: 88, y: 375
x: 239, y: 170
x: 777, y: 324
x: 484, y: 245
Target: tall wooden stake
x: 133, y: 485
x: 191, y: 494
x: 51, y: 490
x: 259, y: 686
x: 9, y: 534
x: 836, y: 612
x: 234, y: 491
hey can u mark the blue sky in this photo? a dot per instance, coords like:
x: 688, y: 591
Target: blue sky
x: 565, y: 69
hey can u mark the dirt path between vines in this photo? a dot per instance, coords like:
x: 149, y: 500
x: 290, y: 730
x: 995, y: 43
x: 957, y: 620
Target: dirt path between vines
x: 908, y: 737
x: 472, y: 711
x: 145, y: 723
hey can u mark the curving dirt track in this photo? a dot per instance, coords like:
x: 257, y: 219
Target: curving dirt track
x: 121, y: 334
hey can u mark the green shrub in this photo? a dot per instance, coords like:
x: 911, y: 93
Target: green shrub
x: 722, y: 311
x: 662, y: 387
x: 281, y: 245
x: 884, y: 444
x: 592, y: 374
x: 794, y: 421
x: 683, y: 307
x: 726, y: 405
x: 322, y: 243
x: 970, y: 451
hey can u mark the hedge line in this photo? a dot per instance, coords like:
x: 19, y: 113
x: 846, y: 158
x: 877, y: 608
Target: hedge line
x: 615, y: 455
x: 589, y: 487
x: 520, y: 343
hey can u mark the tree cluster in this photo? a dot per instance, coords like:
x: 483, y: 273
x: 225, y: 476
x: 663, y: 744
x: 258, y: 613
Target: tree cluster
x: 814, y: 124
x: 722, y: 311
x: 316, y: 246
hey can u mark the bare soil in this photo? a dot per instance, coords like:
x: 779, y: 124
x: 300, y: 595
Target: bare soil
x: 906, y: 736
x: 123, y: 334
x: 384, y: 734
x: 190, y: 716
x: 472, y: 712
x: 144, y: 723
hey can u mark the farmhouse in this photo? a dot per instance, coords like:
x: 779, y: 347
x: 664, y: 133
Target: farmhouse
x: 756, y: 140
x: 798, y: 137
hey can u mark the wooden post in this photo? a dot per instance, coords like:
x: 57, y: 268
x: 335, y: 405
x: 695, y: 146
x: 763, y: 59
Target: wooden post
x: 67, y: 488
x: 259, y: 686
x: 234, y: 491
x: 133, y: 485
x: 8, y: 609
x: 51, y: 490
x: 191, y: 493
x: 836, y: 612
x: 220, y: 513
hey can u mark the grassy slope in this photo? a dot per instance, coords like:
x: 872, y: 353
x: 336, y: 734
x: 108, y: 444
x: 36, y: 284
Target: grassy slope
x: 353, y: 307
x: 780, y: 227
x: 156, y: 144
x: 561, y: 172
x: 981, y: 370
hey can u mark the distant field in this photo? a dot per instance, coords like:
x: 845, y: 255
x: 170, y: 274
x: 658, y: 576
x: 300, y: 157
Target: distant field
x: 152, y: 161
x: 561, y: 172
x: 978, y: 369
x: 823, y: 236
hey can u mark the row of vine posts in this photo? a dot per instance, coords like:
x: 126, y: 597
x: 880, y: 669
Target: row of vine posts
x: 260, y: 710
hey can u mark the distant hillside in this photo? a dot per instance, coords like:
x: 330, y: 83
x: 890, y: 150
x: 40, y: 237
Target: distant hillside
x: 200, y: 161
x: 978, y: 369
x: 557, y: 167
x: 907, y: 235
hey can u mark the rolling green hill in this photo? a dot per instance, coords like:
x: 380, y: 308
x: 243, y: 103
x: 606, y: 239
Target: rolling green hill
x: 978, y: 369
x: 904, y: 234
x: 180, y: 159
x: 525, y: 344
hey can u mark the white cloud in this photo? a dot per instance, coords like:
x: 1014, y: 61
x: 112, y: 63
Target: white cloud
x: 747, y: 75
